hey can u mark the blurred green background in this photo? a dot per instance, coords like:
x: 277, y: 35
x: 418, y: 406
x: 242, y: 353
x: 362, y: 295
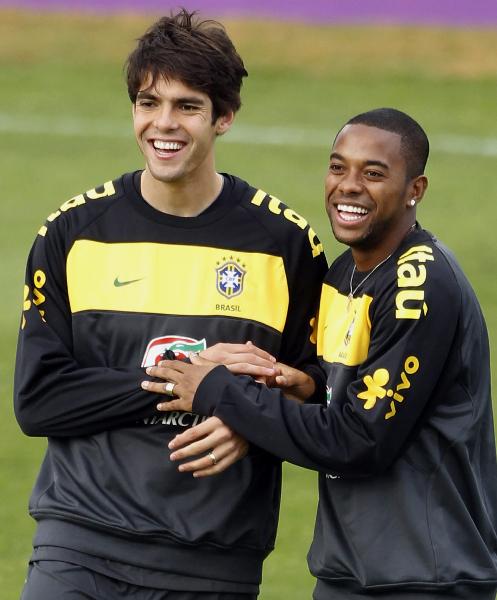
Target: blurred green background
x: 65, y: 127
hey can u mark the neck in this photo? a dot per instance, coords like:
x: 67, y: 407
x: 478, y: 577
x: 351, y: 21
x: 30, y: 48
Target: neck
x: 367, y: 258
x: 184, y: 198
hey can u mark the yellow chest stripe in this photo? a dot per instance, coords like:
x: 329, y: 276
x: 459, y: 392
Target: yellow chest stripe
x: 343, y: 331
x: 175, y: 279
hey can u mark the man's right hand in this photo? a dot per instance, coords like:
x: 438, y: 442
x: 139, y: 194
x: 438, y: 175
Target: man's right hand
x: 242, y: 359
x: 248, y: 359
x: 294, y: 384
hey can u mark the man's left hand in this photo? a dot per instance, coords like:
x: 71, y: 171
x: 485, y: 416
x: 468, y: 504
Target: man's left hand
x: 185, y: 377
x: 212, y: 447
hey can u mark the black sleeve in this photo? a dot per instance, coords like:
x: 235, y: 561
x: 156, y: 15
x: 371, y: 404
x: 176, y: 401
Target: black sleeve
x: 362, y: 432
x: 53, y: 395
x: 306, y: 267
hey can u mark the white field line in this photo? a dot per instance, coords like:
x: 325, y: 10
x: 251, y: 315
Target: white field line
x: 240, y: 134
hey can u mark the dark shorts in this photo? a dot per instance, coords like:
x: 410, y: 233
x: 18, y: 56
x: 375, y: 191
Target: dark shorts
x: 54, y: 580
x: 332, y: 591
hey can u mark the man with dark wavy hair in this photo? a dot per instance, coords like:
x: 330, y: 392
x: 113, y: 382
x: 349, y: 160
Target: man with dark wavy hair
x: 159, y: 262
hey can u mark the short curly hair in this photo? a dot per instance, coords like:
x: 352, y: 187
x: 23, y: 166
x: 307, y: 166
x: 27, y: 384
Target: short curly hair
x: 414, y: 144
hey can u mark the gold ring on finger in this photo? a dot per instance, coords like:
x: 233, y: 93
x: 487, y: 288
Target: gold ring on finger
x: 169, y: 388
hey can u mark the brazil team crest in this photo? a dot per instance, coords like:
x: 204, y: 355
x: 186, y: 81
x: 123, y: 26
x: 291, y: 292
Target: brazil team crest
x: 229, y: 279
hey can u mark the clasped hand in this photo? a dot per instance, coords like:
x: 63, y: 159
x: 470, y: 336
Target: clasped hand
x: 223, y: 446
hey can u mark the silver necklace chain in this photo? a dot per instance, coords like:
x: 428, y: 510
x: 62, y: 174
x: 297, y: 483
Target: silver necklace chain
x: 350, y: 297
x: 353, y: 291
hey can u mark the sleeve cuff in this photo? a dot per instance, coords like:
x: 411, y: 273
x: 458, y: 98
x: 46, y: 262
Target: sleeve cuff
x: 209, y: 392
x: 319, y: 377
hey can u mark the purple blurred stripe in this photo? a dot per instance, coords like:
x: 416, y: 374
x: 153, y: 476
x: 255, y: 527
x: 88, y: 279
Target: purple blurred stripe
x: 434, y: 12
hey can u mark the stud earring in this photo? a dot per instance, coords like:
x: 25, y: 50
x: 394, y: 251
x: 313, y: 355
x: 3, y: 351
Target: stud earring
x: 413, y: 202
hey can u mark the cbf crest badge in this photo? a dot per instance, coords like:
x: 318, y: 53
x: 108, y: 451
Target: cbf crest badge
x: 229, y: 278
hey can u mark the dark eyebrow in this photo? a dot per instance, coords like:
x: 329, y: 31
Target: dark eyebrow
x: 148, y: 95
x: 145, y: 94
x: 190, y: 100
x: 377, y: 163
x: 369, y: 163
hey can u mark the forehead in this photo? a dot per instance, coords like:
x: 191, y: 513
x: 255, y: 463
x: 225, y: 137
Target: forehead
x: 369, y: 144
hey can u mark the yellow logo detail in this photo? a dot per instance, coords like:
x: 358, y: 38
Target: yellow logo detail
x: 27, y: 301
x: 409, y: 302
x: 376, y: 386
x: 273, y: 205
x: 314, y: 330
x: 26, y: 305
x: 108, y: 190
x: 39, y: 280
x: 419, y: 253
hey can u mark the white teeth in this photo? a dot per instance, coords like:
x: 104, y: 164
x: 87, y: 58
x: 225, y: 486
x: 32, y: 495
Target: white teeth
x: 161, y: 145
x: 347, y: 208
x: 350, y: 217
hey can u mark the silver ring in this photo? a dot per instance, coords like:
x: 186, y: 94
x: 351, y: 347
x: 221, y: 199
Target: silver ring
x: 212, y: 456
x: 169, y: 388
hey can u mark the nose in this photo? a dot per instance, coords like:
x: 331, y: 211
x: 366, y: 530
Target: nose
x: 350, y: 182
x: 165, y: 119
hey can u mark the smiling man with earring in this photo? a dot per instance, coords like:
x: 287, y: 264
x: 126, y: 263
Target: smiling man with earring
x: 404, y: 439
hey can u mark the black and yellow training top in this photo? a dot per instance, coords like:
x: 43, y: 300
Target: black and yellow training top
x: 404, y: 442
x: 111, y: 284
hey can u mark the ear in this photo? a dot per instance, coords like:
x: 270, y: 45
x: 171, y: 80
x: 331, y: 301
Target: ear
x: 417, y: 188
x: 224, y: 122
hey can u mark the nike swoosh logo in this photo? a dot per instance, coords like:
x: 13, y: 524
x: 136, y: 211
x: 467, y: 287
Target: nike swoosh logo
x: 118, y: 283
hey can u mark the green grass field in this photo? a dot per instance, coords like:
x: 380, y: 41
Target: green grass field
x: 65, y: 127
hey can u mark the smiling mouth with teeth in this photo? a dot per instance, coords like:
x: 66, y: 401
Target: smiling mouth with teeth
x: 164, y: 146
x: 351, y: 213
